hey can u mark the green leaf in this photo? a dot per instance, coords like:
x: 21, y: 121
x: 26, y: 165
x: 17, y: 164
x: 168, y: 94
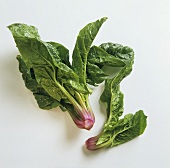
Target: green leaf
x: 34, y: 52
x: 114, y: 108
x: 77, y: 86
x: 129, y: 128
x: 127, y: 55
x: 97, y: 59
x: 38, y: 54
x: 82, y: 47
x: 112, y: 96
x: 43, y: 99
x: 108, y: 54
x: 126, y: 129
x: 115, y: 131
x: 44, y: 76
x: 95, y: 75
x: 105, y: 138
x: 49, y: 63
x: 124, y: 53
x: 22, y: 30
x: 44, y: 59
x: 62, y: 52
x: 99, y: 56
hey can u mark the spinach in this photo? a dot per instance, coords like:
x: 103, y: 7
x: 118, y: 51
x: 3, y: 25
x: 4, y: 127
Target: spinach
x: 44, y: 100
x: 54, y: 82
x: 47, y: 72
x: 82, y: 48
x: 116, y: 130
x: 97, y: 59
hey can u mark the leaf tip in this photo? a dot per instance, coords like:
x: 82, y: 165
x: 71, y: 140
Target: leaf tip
x: 103, y: 19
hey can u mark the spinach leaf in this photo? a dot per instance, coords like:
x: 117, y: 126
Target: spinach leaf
x: 82, y: 48
x: 107, y: 54
x: 44, y: 100
x: 52, y: 72
x: 126, y: 129
x: 23, y: 30
x: 129, y: 128
x: 62, y: 52
x: 99, y: 56
x: 95, y: 74
x: 116, y: 131
x: 97, y: 59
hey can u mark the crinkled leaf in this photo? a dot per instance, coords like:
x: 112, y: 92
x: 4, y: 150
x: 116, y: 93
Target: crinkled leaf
x: 52, y: 71
x: 107, y: 54
x: 95, y: 75
x: 114, y: 108
x: 112, y: 96
x: 115, y: 131
x: 43, y: 99
x: 125, y: 71
x: 62, y: 52
x: 44, y: 60
x: 64, y: 73
x: 33, y: 51
x: 82, y: 47
x: 129, y: 128
x: 124, y: 53
x: 99, y: 56
x: 44, y: 78
x: 77, y: 86
x: 36, y: 53
x: 22, y: 30
x: 104, y: 138
x: 126, y: 129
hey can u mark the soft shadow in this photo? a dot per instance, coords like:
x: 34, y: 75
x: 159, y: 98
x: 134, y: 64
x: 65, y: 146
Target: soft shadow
x: 72, y: 131
x: 13, y: 84
x: 11, y: 76
x: 56, y: 113
x: 94, y: 153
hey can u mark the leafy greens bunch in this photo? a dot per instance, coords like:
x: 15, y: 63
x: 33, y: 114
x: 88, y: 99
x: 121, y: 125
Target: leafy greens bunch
x: 47, y: 72
x: 116, y: 130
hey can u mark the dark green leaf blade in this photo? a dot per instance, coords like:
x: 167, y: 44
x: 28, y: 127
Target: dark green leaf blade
x: 99, y: 56
x: 124, y: 53
x: 43, y: 99
x: 23, y: 30
x: 34, y: 52
x: 62, y: 52
x: 129, y: 128
x: 95, y: 75
x: 114, y: 108
x: 44, y: 77
x: 37, y: 53
x: 112, y: 55
x: 82, y: 47
x: 115, y: 131
x: 127, y: 55
x: 126, y: 129
x: 48, y: 63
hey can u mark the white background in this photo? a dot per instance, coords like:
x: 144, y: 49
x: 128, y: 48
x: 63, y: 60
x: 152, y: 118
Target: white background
x: 34, y: 138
